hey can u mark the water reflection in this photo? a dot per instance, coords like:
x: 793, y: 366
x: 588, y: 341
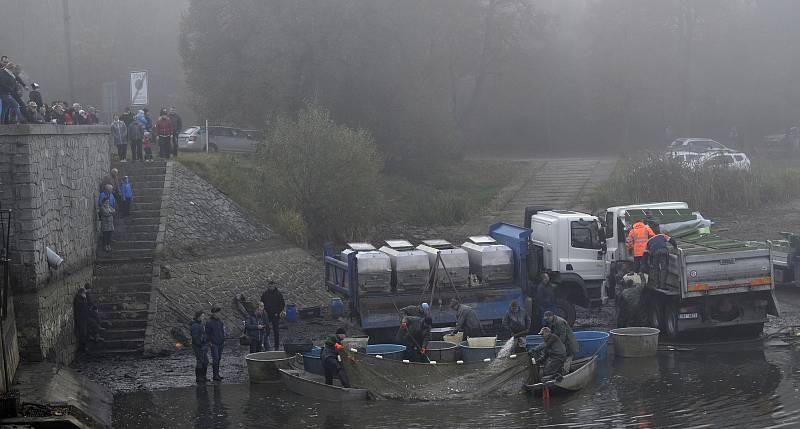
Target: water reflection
x: 736, y: 387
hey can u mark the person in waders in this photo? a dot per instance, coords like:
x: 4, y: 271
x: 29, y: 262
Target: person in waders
x: 331, y: 359
x: 550, y: 354
x: 414, y: 333
x: 200, y: 347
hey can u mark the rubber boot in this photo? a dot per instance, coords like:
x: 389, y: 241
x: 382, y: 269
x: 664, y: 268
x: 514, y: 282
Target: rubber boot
x: 199, y: 377
x: 204, y: 373
x: 217, y: 377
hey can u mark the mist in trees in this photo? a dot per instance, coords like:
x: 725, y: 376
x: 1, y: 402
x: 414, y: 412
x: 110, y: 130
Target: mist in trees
x: 435, y: 79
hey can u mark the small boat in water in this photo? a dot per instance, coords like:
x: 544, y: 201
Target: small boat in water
x: 582, y: 372
x: 313, y: 386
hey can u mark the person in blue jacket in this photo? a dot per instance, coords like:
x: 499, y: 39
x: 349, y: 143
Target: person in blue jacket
x: 108, y: 192
x: 215, y: 330
x: 126, y: 190
x: 200, y: 347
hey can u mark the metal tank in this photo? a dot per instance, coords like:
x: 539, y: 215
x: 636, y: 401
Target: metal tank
x: 491, y: 262
x: 410, y: 267
x: 455, y: 259
x: 374, y: 267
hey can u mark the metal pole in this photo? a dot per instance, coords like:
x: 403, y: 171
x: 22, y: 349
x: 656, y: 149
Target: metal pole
x: 206, y: 135
x: 68, y: 42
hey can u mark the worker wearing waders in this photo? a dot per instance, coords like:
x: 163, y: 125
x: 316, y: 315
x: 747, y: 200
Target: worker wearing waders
x: 200, y: 347
x: 215, y: 330
x: 563, y: 331
x: 517, y: 322
x: 422, y: 310
x: 637, y: 242
x: 331, y: 361
x: 550, y: 355
x: 414, y: 333
x: 466, y: 320
x: 545, y: 300
x: 658, y: 257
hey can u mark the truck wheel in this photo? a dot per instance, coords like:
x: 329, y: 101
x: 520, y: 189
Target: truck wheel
x: 611, y: 287
x: 565, y: 310
x: 752, y: 331
x: 670, y: 321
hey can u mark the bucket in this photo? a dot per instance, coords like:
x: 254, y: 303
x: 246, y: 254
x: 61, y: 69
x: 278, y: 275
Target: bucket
x: 635, y: 341
x: 263, y: 367
x: 387, y: 351
x: 478, y: 354
x: 442, y: 351
x: 337, y: 308
x: 291, y: 313
x: 312, y: 362
x: 455, y: 338
x: 481, y: 341
x: 358, y: 343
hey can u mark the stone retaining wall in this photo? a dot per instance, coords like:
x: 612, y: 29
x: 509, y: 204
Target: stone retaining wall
x: 49, y: 177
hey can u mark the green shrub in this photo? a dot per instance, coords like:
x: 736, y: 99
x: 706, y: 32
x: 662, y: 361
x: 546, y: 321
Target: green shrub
x: 328, y: 174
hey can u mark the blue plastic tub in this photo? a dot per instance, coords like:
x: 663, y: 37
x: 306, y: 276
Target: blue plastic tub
x: 388, y: 351
x: 312, y: 362
x: 589, y: 343
x: 478, y: 354
x: 291, y: 313
x: 337, y: 307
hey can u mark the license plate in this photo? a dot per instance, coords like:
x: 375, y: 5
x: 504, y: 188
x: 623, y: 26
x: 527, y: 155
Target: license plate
x: 687, y: 316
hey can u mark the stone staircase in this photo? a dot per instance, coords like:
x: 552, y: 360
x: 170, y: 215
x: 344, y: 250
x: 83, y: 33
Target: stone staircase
x: 123, y: 277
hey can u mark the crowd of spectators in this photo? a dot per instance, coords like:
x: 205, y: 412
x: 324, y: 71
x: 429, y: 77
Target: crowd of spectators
x: 137, y: 131
x: 14, y: 110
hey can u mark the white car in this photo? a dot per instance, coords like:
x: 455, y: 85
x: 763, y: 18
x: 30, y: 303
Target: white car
x: 697, y: 152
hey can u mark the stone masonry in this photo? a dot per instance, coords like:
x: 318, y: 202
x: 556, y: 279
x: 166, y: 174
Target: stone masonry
x: 49, y: 176
x: 213, y: 250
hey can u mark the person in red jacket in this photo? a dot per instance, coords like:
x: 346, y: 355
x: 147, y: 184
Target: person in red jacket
x: 637, y: 242
x: 164, y: 131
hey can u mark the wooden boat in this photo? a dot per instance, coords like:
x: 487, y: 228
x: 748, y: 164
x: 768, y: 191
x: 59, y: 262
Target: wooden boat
x: 312, y: 386
x: 582, y: 372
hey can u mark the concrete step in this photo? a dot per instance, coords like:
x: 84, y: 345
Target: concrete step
x: 119, y: 297
x: 124, y: 278
x: 137, y: 228
x: 134, y: 219
x: 147, y: 176
x: 141, y: 205
x: 120, y: 243
x: 105, y: 271
x: 123, y: 306
x: 139, y: 213
x: 146, y: 184
x: 153, y: 197
x: 112, y: 334
x: 122, y: 288
x: 121, y: 257
x: 116, y: 352
x: 136, y: 344
x: 127, y: 324
x: 124, y: 236
x: 112, y: 315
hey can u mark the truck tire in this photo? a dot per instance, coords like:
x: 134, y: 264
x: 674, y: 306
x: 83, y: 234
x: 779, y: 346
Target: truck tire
x: 670, y: 321
x: 565, y: 310
x: 611, y: 286
x: 752, y: 331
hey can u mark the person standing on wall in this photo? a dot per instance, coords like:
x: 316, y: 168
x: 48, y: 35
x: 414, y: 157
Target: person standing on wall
x: 177, y: 125
x: 164, y: 131
x: 275, y: 305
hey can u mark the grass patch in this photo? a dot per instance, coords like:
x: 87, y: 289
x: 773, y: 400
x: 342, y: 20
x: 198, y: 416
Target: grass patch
x: 448, y: 195
x: 657, y: 178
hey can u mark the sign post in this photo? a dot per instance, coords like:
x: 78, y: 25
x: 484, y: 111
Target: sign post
x: 206, y: 135
x: 139, y: 85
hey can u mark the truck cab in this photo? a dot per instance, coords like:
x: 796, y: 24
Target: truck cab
x: 570, y: 246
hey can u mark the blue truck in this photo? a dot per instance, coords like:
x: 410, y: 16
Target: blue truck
x: 380, y: 309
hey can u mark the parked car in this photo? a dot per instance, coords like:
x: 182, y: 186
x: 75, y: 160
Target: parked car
x: 220, y: 139
x: 697, y: 152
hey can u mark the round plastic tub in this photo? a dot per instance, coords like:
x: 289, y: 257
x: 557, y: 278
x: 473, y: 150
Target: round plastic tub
x: 478, y: 354
x: 635, y: 341
x: 591, y: 342
x: 387, y: 351
x: 263, y: 367
x: 312, y: 362
x: 442, y: 351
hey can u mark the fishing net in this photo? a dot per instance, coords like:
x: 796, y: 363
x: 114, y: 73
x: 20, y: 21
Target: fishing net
x: 425, y: 381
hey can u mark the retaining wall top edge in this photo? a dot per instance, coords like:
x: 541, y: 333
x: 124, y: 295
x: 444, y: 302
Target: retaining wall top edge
x: 52, y: 129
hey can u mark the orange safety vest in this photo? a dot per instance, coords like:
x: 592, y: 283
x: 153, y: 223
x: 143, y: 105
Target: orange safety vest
x: 638, y: 237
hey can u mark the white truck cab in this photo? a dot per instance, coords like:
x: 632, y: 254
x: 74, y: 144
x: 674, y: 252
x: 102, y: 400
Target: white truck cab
x: 572, y: 247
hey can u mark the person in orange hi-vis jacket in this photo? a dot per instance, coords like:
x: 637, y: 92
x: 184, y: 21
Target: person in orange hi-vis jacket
x: 637, y: 242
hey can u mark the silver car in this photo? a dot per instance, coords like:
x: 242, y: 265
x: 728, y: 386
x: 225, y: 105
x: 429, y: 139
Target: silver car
x: 220, y: 139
